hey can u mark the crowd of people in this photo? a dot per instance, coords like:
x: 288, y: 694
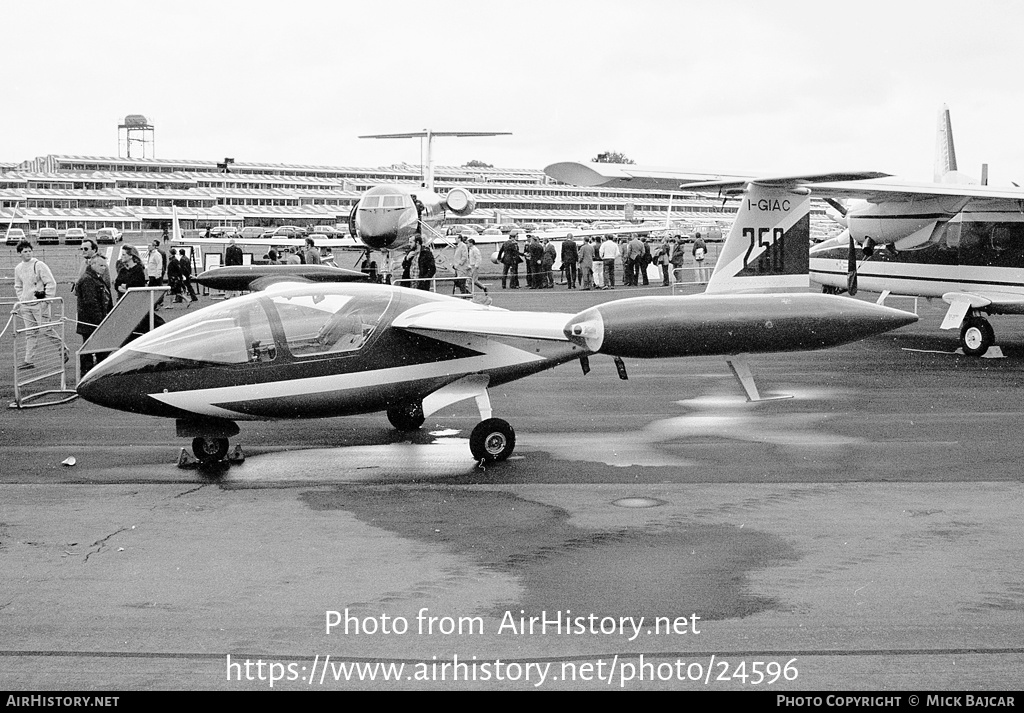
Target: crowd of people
x: 579, y: 262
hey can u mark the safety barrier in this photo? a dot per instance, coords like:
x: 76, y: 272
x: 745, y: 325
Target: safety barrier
x: 689, y: 276
x: 476, y: 293
x: 39, y: 352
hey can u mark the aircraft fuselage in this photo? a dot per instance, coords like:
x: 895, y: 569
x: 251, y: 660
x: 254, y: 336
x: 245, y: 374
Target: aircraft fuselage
x: 937, y: 247
x: 297, y: 353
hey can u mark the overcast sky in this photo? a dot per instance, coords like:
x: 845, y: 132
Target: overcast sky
x: 704, y: 86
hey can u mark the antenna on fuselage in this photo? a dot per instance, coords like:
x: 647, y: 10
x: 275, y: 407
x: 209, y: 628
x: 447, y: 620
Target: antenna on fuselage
x: 428, y: 179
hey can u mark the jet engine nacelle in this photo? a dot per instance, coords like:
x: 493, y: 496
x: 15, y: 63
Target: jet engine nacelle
x: 710, y: 325
x: 460, y: 201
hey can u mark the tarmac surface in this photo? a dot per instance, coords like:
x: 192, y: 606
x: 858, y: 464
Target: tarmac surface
x: 863, y: 535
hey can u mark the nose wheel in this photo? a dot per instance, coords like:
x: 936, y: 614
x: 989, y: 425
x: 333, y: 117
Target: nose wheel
x: 492, y: 440
x: 210, y: 450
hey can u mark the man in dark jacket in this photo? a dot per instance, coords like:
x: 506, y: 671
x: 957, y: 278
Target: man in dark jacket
x: 93, y: 293
x: 534, y: 257
x: 232, y: 254
x: 570, y: 255
x: 508, y: 255
x: 185, y: 265
x: 174, y: 277
x: 426, y: 263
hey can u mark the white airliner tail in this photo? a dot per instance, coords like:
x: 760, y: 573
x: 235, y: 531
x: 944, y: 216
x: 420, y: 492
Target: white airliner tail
x: 945, y: 155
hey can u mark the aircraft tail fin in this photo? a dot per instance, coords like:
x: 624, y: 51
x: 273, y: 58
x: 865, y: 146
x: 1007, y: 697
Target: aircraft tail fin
x: 945, y: 155
x: 767, y: 248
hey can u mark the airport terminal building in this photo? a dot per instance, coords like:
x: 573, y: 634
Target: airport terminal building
x: 136, y: 195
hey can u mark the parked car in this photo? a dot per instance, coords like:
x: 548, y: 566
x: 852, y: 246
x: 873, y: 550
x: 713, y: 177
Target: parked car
x: 74, y: 236
x: 223, y: 231
x: 286, y: 231
x: 108, y: 236
x: 15, y: 236
x: 250, y: 232
x: 48, y: 236
x: 328, y: 231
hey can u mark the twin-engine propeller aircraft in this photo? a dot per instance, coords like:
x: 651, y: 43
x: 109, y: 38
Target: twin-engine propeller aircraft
x: 955, y: 239
x: 334, y: 349
x: 961, y: 241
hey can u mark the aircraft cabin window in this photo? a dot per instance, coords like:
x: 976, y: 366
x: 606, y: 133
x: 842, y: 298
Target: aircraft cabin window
x: 396, y: 202
x: 329, y: 324
x: 237, y: 333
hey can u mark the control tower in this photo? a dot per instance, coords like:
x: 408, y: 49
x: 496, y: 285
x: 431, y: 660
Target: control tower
x: 136, y: 130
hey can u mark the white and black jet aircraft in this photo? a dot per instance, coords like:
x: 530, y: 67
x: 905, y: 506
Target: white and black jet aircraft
x: 958, y: 240
x: 334, y: 349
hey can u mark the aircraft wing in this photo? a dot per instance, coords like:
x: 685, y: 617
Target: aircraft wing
x: 267, y: 243
x: 484, y: 321
x: 622, y: 175
x: 867, y: 186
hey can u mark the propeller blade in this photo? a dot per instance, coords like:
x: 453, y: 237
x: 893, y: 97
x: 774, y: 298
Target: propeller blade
x: 851, y: 269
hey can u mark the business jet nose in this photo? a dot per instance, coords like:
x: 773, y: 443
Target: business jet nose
x: 385, y: 218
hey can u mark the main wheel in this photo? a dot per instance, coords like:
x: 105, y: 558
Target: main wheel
x: 976, y: 336
x: 492, y: 440
x: 407, y: 416
x: 210, y: 450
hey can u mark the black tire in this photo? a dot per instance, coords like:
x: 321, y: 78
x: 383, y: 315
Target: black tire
x: 210, y: 450
x: 976, y: 336
x: 407, y: 416
x: 492, y: 440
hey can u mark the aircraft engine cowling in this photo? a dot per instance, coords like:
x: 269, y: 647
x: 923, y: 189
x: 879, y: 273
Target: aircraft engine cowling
x: 460, y: 201
x: 708, y: 325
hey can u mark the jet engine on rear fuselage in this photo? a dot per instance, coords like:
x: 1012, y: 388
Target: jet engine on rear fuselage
x: 388, y: 217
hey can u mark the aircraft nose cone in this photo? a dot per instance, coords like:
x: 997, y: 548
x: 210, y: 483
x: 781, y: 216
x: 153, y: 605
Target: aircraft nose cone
x: 124, y: 382
x: 96, y: 387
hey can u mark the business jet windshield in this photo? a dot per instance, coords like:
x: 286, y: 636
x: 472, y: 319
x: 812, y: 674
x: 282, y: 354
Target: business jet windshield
x: 270, y: 327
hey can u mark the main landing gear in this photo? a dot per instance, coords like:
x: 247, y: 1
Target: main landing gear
x: 407, y: 416
x: 976, y: 335
x: 493, y: 439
